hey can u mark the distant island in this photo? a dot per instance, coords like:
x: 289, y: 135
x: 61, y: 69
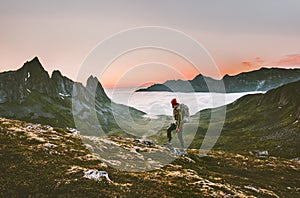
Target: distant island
x: 263, y: 79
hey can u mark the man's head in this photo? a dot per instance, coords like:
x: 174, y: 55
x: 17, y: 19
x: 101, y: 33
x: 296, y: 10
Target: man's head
x: 174, y: 102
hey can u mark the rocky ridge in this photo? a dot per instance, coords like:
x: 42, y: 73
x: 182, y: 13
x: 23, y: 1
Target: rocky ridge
x: 263, y: 79
x: 30, y: 94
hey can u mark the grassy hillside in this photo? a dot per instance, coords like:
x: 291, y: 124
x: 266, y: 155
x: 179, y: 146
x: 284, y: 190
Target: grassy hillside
x: 40, y: 161
x: 260, y: 122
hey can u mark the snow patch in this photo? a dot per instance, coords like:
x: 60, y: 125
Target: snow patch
x: 28, y: 76
x: 63, y: 95
x: 260, y: 84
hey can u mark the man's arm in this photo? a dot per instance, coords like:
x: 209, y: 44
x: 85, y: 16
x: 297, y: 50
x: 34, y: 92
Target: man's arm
x: 179, y: 121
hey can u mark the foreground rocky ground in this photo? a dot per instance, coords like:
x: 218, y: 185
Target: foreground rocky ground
x: 41, y: 161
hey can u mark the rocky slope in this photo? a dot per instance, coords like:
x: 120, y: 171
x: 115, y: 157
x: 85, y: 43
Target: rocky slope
x: 41, y: 161
x: 30, y: 94
x: 260, y: 80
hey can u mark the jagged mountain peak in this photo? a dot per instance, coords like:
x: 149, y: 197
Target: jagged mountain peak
x: 16, y: 86
x: 91, y: 81
x: 198, y: 76
x: 33, y: 66
x: 56, y: 74
x: 93, y: 84
x: 30, y: 94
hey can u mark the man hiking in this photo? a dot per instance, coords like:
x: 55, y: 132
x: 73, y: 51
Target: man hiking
x: 178, y: 124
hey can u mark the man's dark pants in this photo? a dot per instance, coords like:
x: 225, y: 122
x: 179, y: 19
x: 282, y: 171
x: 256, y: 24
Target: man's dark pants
x: 171, y: 128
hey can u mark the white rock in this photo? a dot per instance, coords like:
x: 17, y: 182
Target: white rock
x: 251, y: 188
x: 29, y: 127
x: 89, y: 147
x: 49, y: 145
x: 263, y: 153
x: 95, y: 174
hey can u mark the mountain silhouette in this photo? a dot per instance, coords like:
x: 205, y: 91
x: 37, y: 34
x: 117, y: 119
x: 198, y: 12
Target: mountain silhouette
x: 30, y: 94
x: 263, y: 79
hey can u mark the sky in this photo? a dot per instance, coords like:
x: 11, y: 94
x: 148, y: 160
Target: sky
x: 237, y: 35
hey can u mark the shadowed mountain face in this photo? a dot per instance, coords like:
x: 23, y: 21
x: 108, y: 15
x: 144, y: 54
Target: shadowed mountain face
x: 30, y: 94
x: 259, y: 80
x: 15, y: 86
x: 260, y: 122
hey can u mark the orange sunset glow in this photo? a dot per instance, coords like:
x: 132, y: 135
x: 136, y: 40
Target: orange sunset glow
x: 147, y: 66
x: 238, y: 36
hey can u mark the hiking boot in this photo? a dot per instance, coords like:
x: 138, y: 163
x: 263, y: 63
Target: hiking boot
x: 169, y: 145
x: 183, y: 152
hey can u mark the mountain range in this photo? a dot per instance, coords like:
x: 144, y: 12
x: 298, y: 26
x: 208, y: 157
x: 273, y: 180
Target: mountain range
x: 263, y: 79
x: 30, y: 94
